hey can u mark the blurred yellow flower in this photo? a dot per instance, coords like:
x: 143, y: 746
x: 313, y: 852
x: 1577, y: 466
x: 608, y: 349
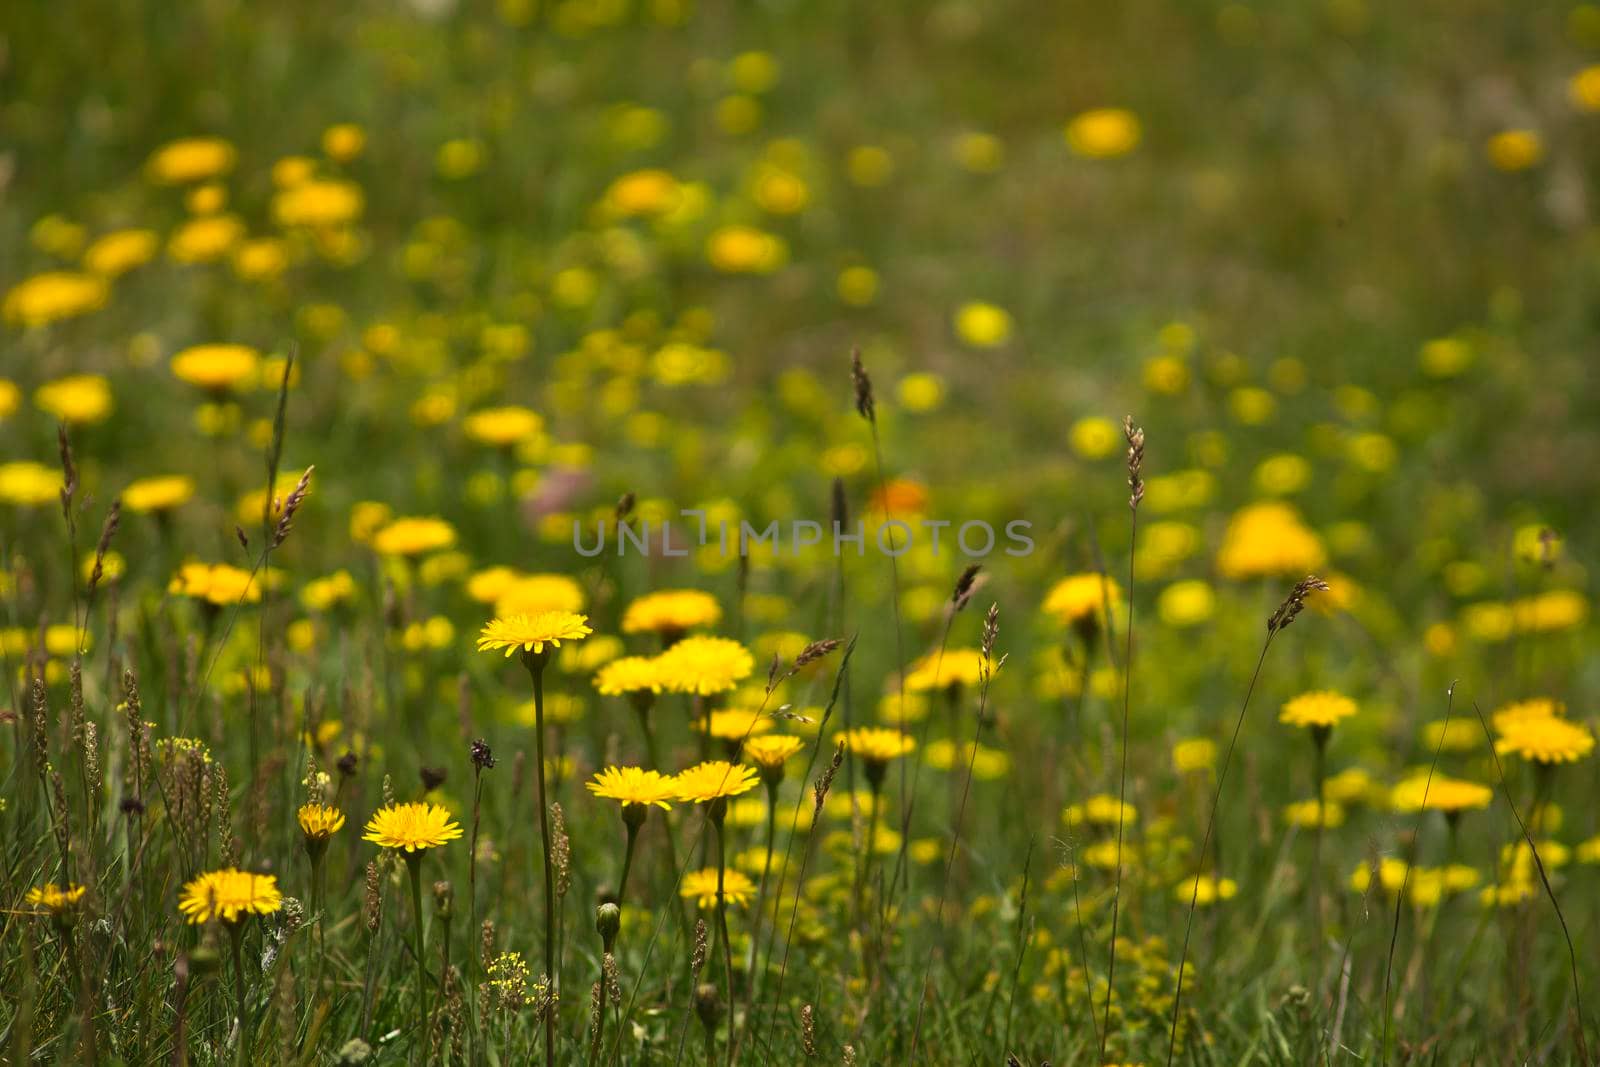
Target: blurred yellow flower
x: 78, y: 399
x: 217, y: 368
x: 857, y: 285
x: 701, y: 887
x: 118, y: 252
x: 501, y: 427
x: 745, y: 250
x: 53, y: 296
x: 158, y: 494
x: 205, y: 240
x: 1095, y: 437
x: 983, y: 325
x: 190, y: 159
x: 1081, y: 599
x: 1268, y: 539
x: 1321, y: 709
x: 412, y: 536
x: 1194, y: 755
x: 920, y: 392
x: 643, y: 192
x: 30, y: 484
x: 343, y: 142
x: 671, y: 612
x: 1103, y: 133
x: 704, y: 666
x: 219, y: 584
x: 318, y: 204
x: 229, y: 895
x: 1186, y: 603
x: 1545, y: 740
x: 1515, y: 150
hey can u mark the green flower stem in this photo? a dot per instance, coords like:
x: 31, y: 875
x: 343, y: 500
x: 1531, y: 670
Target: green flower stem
x: 414, y: 866
x: 535, y: 665
x: 718, y: 812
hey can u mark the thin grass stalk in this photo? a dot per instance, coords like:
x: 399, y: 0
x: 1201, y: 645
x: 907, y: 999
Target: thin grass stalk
x: 1279, y: 620
x: 414, y: 868
x: 535, y: 664
x: 990, y: 629
x: 1022, y: 947
x: 1544, y: 878
x: 722, y: 921
x: 1405, y: 879
x: 1135, y: 438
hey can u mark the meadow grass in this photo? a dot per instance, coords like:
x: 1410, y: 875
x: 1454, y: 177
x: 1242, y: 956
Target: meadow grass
x: 330, y: 337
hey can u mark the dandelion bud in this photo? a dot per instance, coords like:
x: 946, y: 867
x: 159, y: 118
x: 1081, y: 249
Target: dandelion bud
x: 444, y: 896
x: 707, y: 1005
x: 607, y: 922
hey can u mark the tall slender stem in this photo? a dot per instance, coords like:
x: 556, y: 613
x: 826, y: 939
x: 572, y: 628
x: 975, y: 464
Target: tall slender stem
x: 722, y: 923
x: 235, y: 938
x: 536, y: 668
x: 414, y: 866
x: 627, y: 860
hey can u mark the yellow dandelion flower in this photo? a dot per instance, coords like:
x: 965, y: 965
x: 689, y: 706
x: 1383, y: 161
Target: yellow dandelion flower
x: 936, y: 670
x: 319, y: 821
x: 217, y: 368
x: 714, y: 780
x: 1306, y: 814
x: 343, y: 142
x: 745, y: 250
x: 1514, y: 150
x: 1102, y: 809
x: 1317, y: 710
x: 502, y: 427
x: 412, y: 827
x: 29, y: 484
x: 205, y: 240
x: 1206, y: 889
x: 55, y: 899
x: 627, y: 676
x: 1081, y: 599
x: 1449, y: 795
x: 704, y: 666
x: 78, y: 398
x: 190, y: 159
x: 1547, y: 740
x: 877, y: 745
x: 219, y: 584
x: 1269, y: 539
x: 1103, y: 133
x: 772, y: 751
x: 534, y: 594
x: 412, y: 536
x: 53, y: 296
x: 634, y: 787
x: 318, y: 204
x: 158, y: 494
x: 671, y: 611
x: 701, y: 887
x: 1194, y: 755
x: 230, y: 895
x: 531, y: 633
x: 983, y: 325
x: 1520, y: 710
x: 117, y: 253
x: 490, y: 584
